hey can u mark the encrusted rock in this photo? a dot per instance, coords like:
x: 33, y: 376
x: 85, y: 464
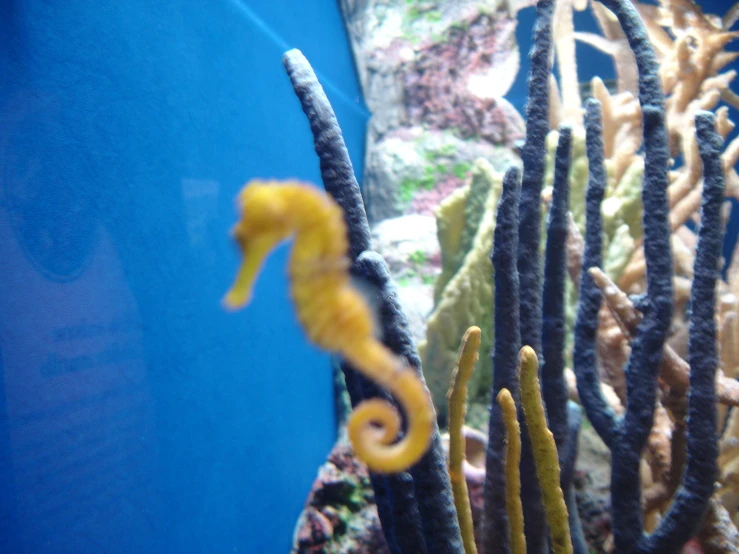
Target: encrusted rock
x: 315, y: 532
x: 411, y: 250
x: 429, y: 71
x: 412, y: 169
x: 459, y: 82
x: 404, y: 241
x: 340, y: 514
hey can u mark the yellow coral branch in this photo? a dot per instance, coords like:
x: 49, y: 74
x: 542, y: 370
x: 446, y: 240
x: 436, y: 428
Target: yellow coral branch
x: 334, y: 315
x: 468, y: 356
x: 545, y: 452
x: 512, y: 454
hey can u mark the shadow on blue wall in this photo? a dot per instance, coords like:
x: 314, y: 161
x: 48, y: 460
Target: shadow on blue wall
x: 135, y: 414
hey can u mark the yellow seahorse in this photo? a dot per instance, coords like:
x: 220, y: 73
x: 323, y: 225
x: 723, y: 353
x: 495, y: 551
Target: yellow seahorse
x: 334, y: 315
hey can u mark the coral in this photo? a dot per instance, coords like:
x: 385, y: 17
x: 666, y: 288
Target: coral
x: 718, y: 535
x: 564, y: 42
x: 621, y: 207
x: 623, y: 258
x: 554, y: 389
x: 467, y: 299
x: 459, y: 217
x: 505, y: 349
x: 689, y: 46
x: 563, y: 418
x: 468, y: 356
x: 628, y: 435
x: 691, y: 499
x: 690, y: 85
x: 544, y: 452
x: 674, y: 370
x: 451, y: 225
x: 416, y: 508
x: 512, y: 462
x: 529, y: 236
x: 584, y: 355
x: 473, y: 470
x: 621, y: 120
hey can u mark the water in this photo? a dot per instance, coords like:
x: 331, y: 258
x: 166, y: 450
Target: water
x: 136, y: 415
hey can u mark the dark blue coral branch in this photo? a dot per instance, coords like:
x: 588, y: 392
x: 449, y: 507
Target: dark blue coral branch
x: 646, y: 348
x: 401, y: 506
x: 684, y: 515
x: 553, y: 386
x: 529, y: 262
x: 532, y: 155
x: 337, y: 172
x: 505, y: 360
x: 586, y: 324
x: 432, y: 486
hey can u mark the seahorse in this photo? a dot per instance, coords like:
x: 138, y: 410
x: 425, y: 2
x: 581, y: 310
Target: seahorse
x: 335, y: 316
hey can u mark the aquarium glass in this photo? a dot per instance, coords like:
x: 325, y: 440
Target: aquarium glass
x: 136, y: 413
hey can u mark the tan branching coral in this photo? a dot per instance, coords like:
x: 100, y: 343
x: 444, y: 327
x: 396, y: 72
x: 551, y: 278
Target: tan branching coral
x: 674, y: 370
x: 718, y: 534
x: 665, y: 446
x: 564, y: 36
x: 690, y: 47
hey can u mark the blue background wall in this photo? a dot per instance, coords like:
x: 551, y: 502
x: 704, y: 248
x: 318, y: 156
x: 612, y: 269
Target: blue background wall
x: 135, y: 414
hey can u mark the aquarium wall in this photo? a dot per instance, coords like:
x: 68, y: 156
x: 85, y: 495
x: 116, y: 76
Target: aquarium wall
x: 136, y: 414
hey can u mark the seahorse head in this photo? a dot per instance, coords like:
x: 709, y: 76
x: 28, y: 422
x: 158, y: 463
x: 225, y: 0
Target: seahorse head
x: 264, y: 223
